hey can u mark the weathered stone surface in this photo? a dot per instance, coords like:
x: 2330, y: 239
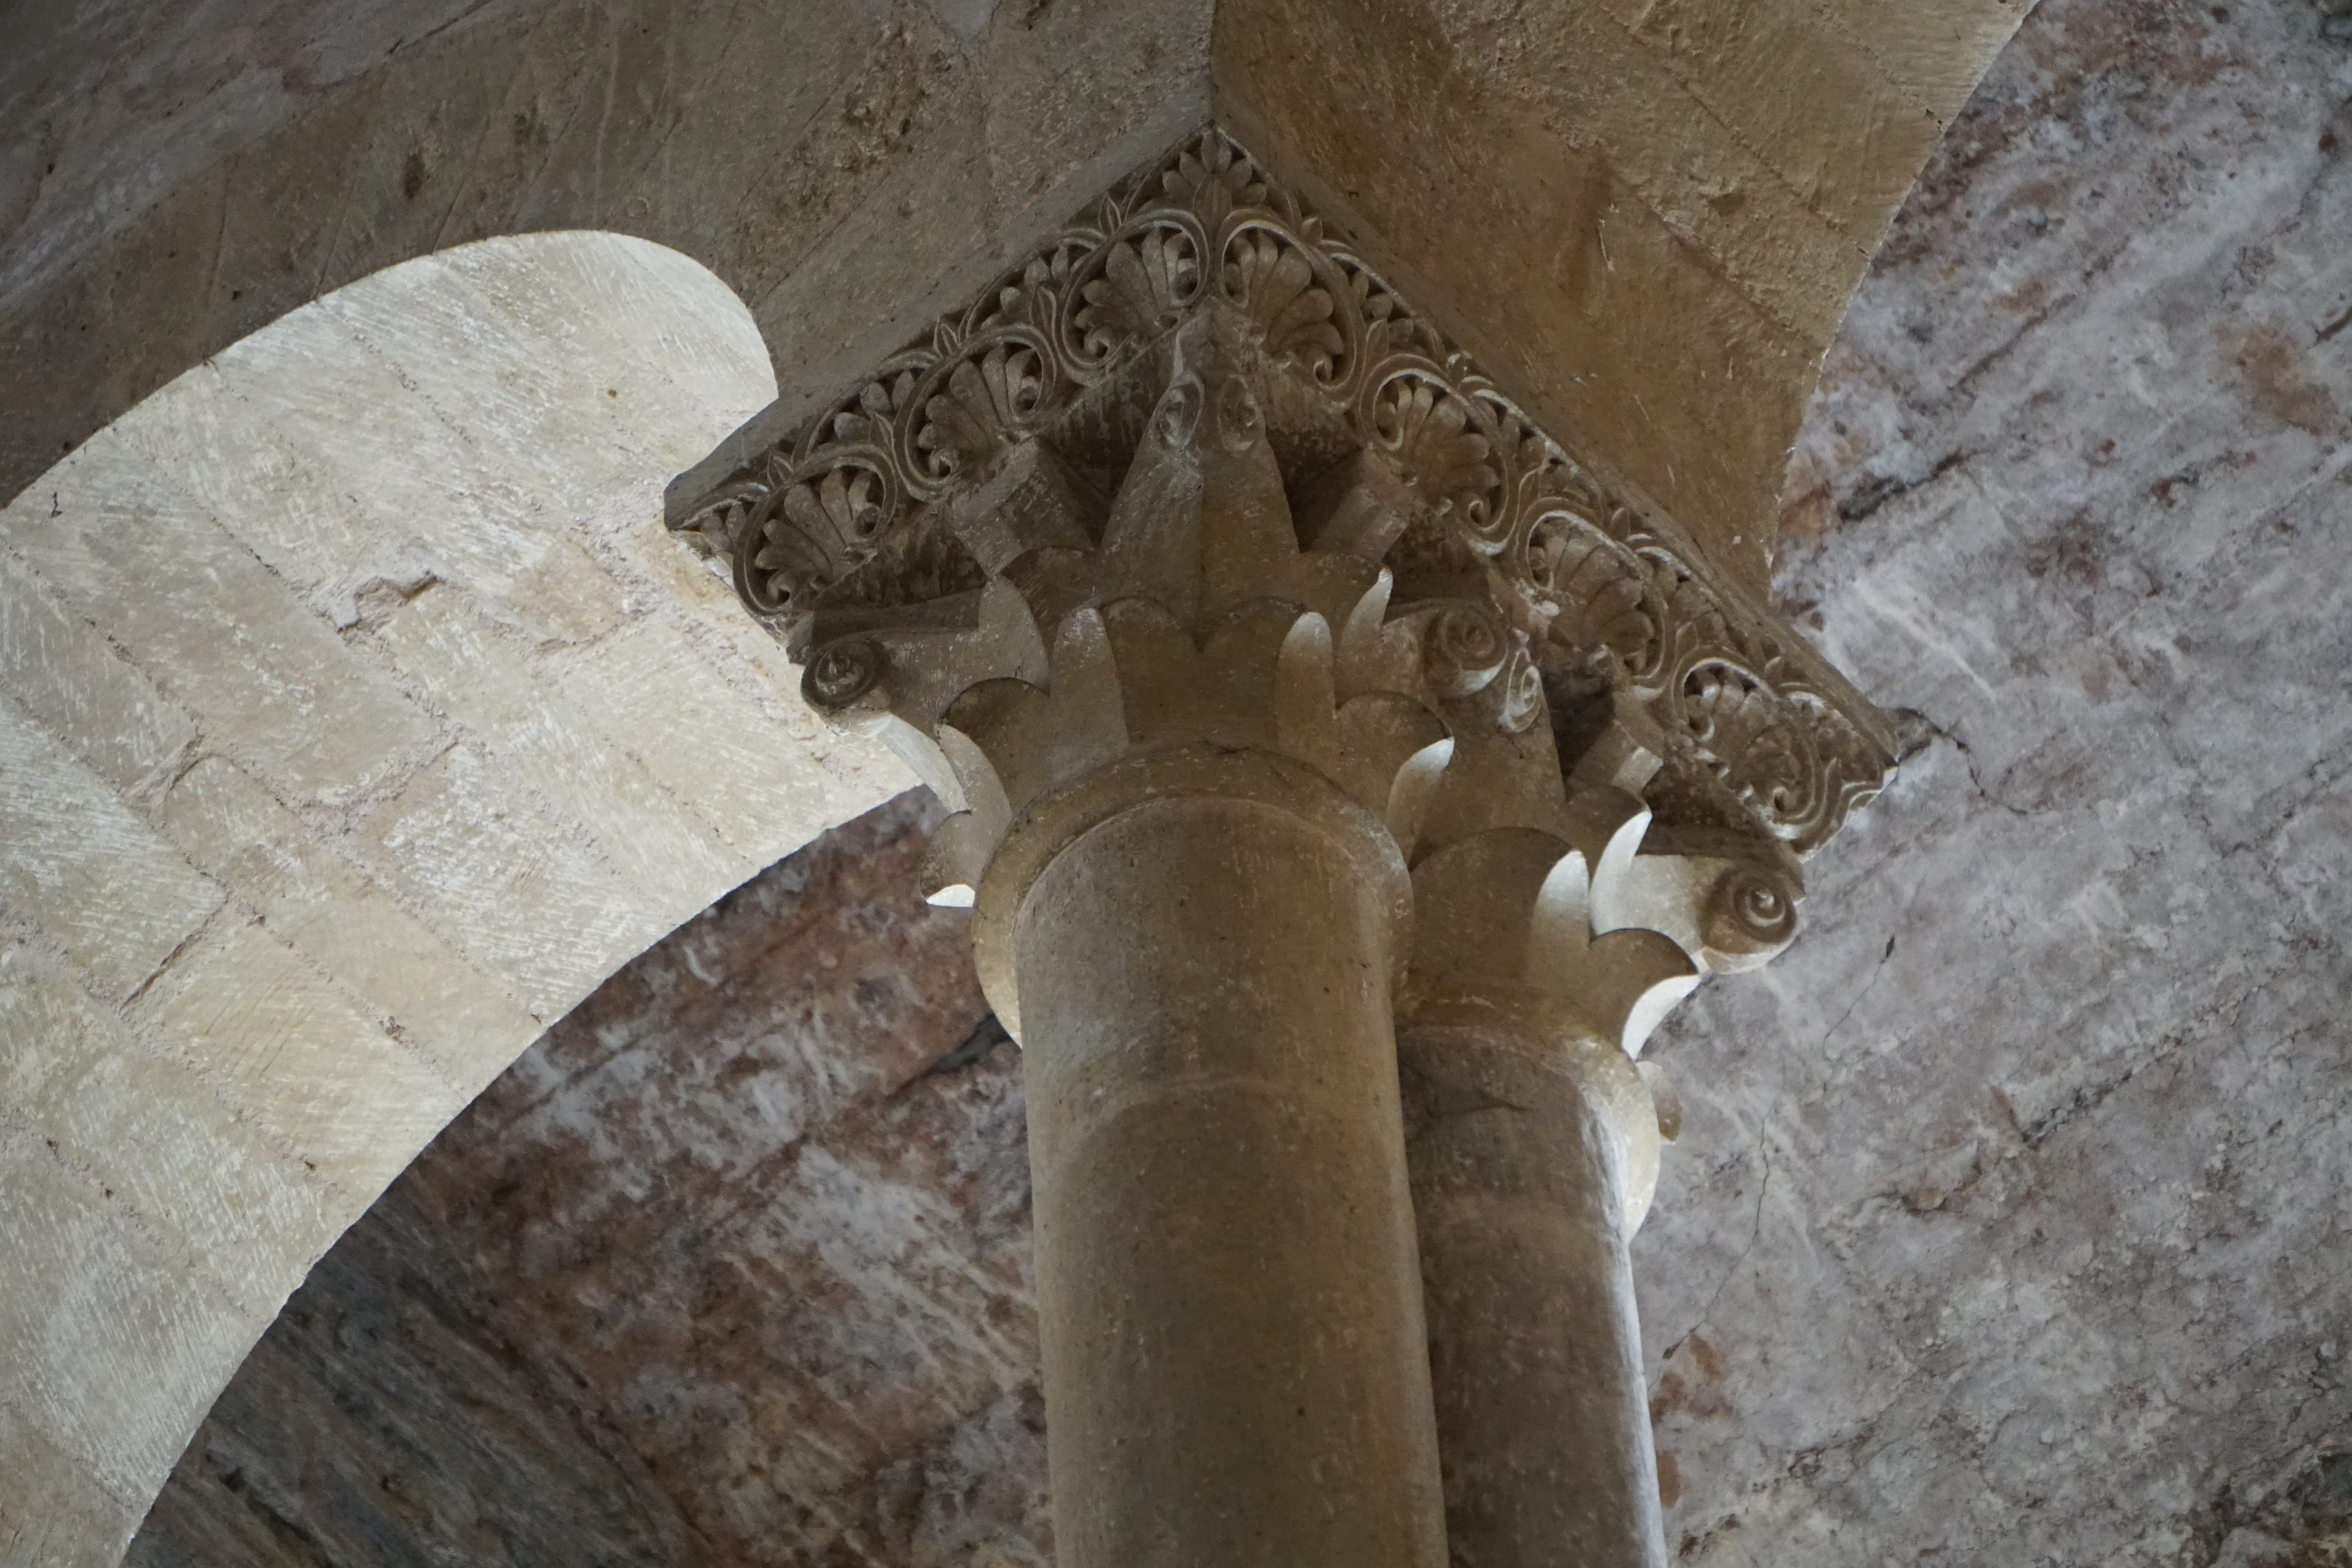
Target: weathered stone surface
x: 219, y: 1194
x: 191, y: 172
x: 1706, y: 178
x: 113, y: 894
x: 107, y: 716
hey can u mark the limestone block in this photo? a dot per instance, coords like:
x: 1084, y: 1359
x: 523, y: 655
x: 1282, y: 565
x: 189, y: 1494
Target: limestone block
x: 119, y: 1348
x: 165, y: 1152
x: 1640, y: 327
x: 1810, y: 96
x: 710, y: 742
x: 845, y: 301
x: 1631, y: 208
x: 1072, y: 70
x: 654, y: 375
x: 860, y: 772
x: 513, y: 889
x: 192, y: 606
x: 1661, y: 130
x: 728, y: 638
x: 81, y: 866
x: 443, y: 497
x: 231, y: 446
x: 1936, y: 51
x: 650, y: 834
x: 266, y: 1029
x: 106, y: 714
x: 215, y: 629
x: 345, y: 925
x: 902, y: 97
x: 56, y: 1514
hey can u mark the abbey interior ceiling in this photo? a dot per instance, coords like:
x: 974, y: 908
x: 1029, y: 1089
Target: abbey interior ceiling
x: 2006, y: 1224
x: 2007, y: 1221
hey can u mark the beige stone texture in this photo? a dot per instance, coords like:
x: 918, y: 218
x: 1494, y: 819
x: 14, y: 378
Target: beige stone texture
x: 1227, y: 1296
x: 215, y: 628
x: 220, y: 1193
x: 86, y: 869
x: 348, y: 739
x: 280, y: 1039
x: 347, y: 926
x: 1645, y: 218
x: 560, y: 757
x: 1521, y: 1179
x: 98, y: 706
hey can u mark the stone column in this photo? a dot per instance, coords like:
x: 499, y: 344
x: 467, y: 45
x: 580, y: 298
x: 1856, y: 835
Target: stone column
x: 1534, y: 1140
x: 1523, y: 1135
x: 1212, y: 588
x: 1227, y: 1281
x: 1191, y: 909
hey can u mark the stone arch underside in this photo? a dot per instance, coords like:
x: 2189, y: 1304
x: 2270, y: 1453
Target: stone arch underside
x: 461, y: 708
x: 359, y: 719
x: 1643, y: 217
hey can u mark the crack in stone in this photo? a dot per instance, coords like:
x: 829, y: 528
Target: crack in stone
x: 1756, y: 1232
x: 1862, y: 996
x: 170, y: 959
x: 969, y: 1052
x: 1968, y: 760
x: 2084, y: 1100
x: 1877, y: 490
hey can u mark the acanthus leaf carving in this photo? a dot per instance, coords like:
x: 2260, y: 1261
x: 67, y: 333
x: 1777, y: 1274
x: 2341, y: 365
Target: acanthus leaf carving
x: 1592, y: 590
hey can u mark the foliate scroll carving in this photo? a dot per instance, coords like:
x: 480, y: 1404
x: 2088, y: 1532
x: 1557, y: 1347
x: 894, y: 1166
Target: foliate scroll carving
x: 1186, y: 617
x: 1529, y: 577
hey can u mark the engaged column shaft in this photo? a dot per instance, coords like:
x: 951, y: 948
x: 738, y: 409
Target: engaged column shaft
x: 1519, y: 1182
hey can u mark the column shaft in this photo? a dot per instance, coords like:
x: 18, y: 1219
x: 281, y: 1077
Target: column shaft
x: 1227, y: 1287
x: 1518, y: 1183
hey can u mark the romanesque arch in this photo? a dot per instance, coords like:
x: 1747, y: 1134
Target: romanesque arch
x: 359, y: 719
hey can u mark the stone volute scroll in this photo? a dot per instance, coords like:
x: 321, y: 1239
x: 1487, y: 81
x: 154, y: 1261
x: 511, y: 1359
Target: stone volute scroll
x: 1346, y: 780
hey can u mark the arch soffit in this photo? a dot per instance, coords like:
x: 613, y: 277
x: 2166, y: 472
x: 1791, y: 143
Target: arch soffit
x: 1668, y: 201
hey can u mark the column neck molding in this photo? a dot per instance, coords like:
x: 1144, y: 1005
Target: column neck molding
x: 1253, y: 775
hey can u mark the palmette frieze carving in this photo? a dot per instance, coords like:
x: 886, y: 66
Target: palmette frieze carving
x: 1537, y: 581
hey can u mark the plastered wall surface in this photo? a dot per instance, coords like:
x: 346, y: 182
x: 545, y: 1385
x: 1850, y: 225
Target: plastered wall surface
x: 359, y: 719
x: 2014, y: 1221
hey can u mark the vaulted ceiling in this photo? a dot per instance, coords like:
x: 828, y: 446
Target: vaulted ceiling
x: 2008, y: 1218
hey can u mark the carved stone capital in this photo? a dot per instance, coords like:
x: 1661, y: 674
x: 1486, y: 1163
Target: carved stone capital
x: 1195, y: 479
